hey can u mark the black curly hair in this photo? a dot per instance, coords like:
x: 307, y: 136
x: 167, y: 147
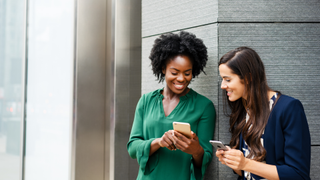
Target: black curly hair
x: 170, y: 45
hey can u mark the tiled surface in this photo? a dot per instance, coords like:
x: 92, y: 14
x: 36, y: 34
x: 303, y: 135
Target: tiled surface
x: 167, y: 15
x: 269, y: 11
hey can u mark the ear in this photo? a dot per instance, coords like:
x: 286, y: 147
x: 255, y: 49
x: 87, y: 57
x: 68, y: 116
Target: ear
x: 164, y: 70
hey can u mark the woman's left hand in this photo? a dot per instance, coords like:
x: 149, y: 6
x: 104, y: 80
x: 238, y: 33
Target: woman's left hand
x: 234, y: 159
x: 190, y: 146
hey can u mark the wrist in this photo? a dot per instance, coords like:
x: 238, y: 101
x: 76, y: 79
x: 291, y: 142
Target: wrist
x: 247, y: 163
x: 159, y: 142
x: 199, y: 153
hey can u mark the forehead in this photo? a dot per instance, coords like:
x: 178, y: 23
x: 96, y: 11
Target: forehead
x: 180, y: 62
x: 224, y: 70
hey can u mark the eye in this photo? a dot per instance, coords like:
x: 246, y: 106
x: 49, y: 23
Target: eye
x: 174, y: 73
x: 187, y: 74
x: 226, y: 80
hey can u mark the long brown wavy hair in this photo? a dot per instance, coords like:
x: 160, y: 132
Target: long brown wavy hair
x: 246, y: 63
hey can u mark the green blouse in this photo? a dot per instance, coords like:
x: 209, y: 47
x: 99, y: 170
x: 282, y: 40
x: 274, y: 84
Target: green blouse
x: 150, y: 123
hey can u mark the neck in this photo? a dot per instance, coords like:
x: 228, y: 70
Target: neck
x: 167, y: 93
x: 271, y: 93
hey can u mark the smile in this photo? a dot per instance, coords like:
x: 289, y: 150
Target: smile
x: 179, y: 86
x: 229, y: 93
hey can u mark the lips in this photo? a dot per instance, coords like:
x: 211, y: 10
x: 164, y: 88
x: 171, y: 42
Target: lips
x: 229, y: 93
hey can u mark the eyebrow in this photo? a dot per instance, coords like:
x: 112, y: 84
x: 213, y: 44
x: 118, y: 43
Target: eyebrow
x: 178, y: 70
x: 226, y: 76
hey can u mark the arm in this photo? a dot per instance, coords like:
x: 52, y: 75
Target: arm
x: 234, y: 159
x: 165, y: 141
x: 136, y: 135
x: 197, y: 155
x: 155, y: 145
x: 199, y: 146
x: 190, y: 146
x: 205, y: 133
x: 297, y: 144
x: 138, y: 147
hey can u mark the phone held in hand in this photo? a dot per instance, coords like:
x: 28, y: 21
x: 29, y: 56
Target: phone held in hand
x: 183, y: 128
x: 218, y: 145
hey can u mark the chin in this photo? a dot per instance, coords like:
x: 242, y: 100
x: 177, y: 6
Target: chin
x: 180, y: 91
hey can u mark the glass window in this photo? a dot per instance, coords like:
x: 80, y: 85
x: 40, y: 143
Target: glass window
x: 49, y: 89
x: 12, y: 34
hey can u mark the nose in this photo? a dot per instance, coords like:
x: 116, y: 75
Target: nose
x: 180, y: 77
x: 223, y: 85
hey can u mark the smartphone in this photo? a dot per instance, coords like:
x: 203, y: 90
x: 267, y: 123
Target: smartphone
x: 218, y: 145
x: 183, y: 128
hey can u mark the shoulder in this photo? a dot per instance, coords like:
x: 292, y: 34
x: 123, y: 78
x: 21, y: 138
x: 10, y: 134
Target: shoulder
x: 149, y: 97
x: 202, y: 102
x: 286, y: 99
x: 288, y: 103
x: 201, y: 98
x: 289, y: 110
x: 151, y: 94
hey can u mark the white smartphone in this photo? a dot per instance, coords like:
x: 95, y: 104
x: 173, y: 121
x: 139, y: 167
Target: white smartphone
x: 183, y: 128
x: 218, y: 145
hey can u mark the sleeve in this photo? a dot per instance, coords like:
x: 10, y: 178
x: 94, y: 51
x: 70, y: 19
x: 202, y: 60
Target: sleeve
x: 297, y: 143
x: 205, y: 134
x: 139, y: 148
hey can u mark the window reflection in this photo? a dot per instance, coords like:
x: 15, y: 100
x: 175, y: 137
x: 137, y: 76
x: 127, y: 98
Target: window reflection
x: 11, y: 58
x: 49, y: 89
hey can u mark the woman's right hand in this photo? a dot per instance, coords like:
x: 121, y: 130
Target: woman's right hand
x: 167, y: 140
x: 220, y: 154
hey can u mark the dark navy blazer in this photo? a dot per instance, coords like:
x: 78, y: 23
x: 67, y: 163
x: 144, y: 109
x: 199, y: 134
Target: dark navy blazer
x: 287, y: 139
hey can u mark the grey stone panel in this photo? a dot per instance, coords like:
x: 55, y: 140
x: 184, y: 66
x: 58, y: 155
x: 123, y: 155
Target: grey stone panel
x: 315, y: 165
x: 167, y: 15
x: 224, y: 134
x: 269, y: 11
x: 226, y: 173
x: 290, y: 52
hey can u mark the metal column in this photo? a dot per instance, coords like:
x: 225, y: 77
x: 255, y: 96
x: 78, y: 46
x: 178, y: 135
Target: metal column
x: 107, y: 87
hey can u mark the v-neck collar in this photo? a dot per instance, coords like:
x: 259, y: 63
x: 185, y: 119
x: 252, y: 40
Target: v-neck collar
x: 181, y: 99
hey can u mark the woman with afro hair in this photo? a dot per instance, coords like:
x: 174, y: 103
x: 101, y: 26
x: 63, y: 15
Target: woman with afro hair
x: 163, y: 153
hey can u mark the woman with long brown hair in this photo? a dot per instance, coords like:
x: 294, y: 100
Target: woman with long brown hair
x: 270, y: 134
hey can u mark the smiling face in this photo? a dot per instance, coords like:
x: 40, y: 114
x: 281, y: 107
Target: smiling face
x: 178, y: 74
x: 231, y: 83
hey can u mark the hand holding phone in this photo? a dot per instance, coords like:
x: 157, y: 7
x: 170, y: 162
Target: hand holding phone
x: 218, y: 145
x: 183, y: 128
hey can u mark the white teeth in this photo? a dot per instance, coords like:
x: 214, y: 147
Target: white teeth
x: 179, y: 86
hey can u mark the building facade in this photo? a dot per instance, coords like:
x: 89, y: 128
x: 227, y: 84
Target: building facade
x: 72, y: 71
